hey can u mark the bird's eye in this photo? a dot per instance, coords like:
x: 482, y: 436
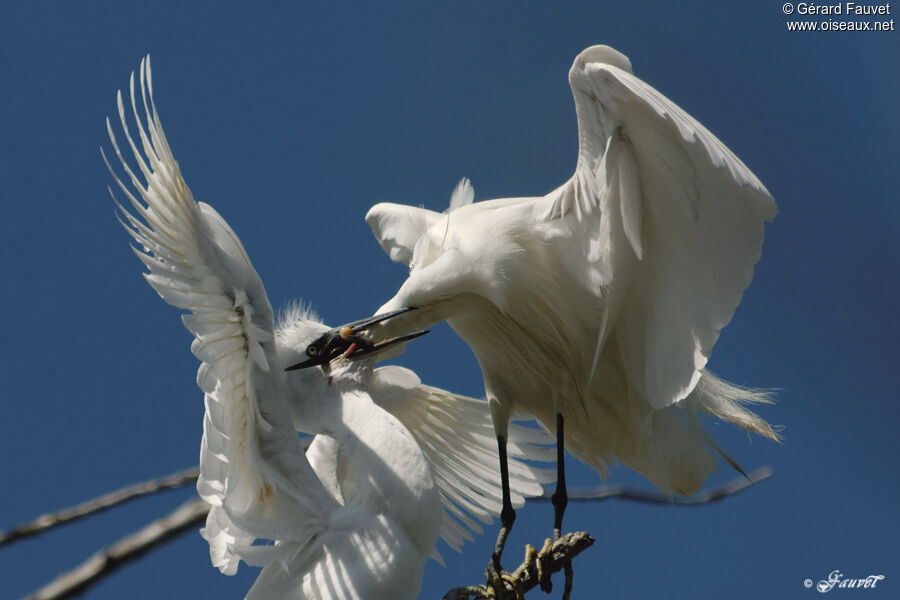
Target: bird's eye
x: 312, y: 350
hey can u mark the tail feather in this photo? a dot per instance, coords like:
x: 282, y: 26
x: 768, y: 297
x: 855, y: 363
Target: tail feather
x: 716, y: 397
x: 672, y: 447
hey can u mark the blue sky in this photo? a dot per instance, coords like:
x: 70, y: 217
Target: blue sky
x: 293, y: 120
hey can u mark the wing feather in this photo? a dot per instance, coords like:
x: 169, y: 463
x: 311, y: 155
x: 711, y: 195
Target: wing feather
x: 254, y: 471
x: 673, y: 219
x: 457, y: 436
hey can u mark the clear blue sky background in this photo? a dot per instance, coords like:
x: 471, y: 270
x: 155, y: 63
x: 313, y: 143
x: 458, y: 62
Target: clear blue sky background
x: 292, y: 121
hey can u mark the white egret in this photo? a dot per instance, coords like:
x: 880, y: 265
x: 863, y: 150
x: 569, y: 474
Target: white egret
x: 394, y: 465
x: 597, y: 306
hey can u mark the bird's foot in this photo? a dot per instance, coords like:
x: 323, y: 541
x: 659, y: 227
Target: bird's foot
x: 502, y: 585
x: 540, y: 559
x: 530, y: 561
x: 494, y: 583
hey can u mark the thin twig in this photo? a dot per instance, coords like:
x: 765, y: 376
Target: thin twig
x: 189, y: 476
x: 186, y: 517
x: 192, y: 514
x: 525, y: 577
x: 67, y: 515
x: 183, y: 478
x: 609, y: 492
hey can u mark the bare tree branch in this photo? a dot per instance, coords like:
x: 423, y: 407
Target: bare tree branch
x: 526, y: 577
x: 186, y: 517
x: 609, y: 492
x: 67, y: 515
x: 567, y: 547
x: 193, y: 513
x: 189, y: 477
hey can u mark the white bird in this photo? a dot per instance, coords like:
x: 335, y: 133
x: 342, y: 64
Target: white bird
x: 394, y: 464
x: 597, y: 306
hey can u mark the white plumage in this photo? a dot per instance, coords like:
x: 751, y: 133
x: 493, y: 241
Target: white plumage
x: 603, y: 299
x: 394, y: 465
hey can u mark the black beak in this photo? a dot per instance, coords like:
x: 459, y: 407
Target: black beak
x: 346, y: 342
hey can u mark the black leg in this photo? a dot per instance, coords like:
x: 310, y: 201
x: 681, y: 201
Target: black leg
x: 494, y: 573
x: 507, y: 515
x: 560, y: 498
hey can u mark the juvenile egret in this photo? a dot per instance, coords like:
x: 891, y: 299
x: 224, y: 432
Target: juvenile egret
x: 395, y: 464
x: 597, y: 306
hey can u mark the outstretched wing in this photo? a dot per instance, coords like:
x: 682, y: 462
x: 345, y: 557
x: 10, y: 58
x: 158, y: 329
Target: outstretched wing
x: 457, y: 436
x: 672, y: 220
x: 253, y: 469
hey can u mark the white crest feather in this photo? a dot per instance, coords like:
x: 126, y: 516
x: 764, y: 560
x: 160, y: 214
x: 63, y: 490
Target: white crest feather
x: 462, y: 194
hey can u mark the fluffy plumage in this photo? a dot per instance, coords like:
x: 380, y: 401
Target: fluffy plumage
x: 603, y: 299
x: 394, y: 463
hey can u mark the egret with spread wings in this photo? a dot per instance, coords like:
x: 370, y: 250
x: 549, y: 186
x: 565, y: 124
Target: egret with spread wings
x: 595, y: 307
x: 394, y: 464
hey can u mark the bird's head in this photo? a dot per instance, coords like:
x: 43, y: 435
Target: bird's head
x: 464, y: 250
x: 342, y: 354
x: 350, y: 342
